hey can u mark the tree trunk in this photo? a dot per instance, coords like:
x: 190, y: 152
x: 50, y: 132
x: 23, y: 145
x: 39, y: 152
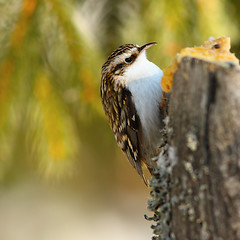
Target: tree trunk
x: 204, y: 152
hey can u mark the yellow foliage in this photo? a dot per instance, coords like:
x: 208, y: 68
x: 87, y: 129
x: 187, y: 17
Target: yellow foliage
x: 53, y: 125
x: 28, y: 7
x: 20, y: 30
x: 171, y: 48
x: 87, y: 79
x: 6, y: 70
x: 42, y: 88
x: 57, y: 149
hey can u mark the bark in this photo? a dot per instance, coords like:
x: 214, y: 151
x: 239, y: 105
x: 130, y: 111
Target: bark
x: 196, y: 193
x: 204, y: 112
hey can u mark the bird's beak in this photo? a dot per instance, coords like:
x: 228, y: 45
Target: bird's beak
x: 146, y: 46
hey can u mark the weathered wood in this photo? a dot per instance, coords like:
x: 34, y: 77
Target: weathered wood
x: 204, y: 112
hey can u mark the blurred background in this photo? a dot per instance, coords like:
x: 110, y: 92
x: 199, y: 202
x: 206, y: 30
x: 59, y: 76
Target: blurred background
x: 61, y: 174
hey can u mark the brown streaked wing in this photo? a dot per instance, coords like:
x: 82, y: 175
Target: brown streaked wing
x: 129, y: 130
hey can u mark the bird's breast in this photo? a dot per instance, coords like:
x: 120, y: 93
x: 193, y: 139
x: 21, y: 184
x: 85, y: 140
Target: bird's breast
x: 146, y: 93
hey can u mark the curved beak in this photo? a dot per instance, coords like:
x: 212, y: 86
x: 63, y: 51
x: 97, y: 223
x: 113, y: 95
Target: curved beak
x: 146, y: 46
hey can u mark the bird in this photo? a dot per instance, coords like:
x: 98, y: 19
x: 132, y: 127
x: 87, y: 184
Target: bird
x: 131, y: 94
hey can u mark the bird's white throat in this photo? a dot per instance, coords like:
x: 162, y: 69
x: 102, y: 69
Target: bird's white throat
x: 141, y: 68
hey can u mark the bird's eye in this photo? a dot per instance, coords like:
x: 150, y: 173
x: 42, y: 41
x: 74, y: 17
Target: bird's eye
x: 128, y: 60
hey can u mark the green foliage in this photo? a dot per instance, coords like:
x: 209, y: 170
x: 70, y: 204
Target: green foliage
x: 51, y: 120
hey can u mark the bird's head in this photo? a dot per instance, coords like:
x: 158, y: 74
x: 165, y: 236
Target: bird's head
x: 127, y: 60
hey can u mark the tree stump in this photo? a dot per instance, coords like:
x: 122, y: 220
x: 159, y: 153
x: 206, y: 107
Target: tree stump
x: 204, y: 151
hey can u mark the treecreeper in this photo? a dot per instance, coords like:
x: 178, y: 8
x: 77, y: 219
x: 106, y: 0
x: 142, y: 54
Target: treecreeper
x: 131, y: 94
